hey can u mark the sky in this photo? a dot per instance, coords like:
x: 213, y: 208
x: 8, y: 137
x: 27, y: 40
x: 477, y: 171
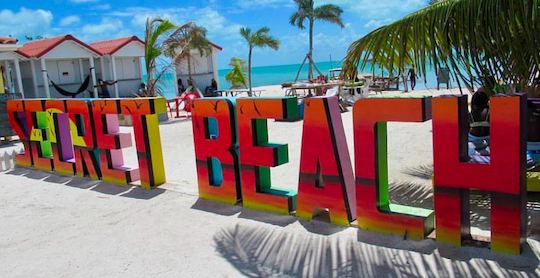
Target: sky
x: 92, y: 20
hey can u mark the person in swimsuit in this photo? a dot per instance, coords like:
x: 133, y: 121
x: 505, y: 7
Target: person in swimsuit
x: 181, y: 88
x: 103, y: 85
x: 412, y: 77
x: 479, y: 122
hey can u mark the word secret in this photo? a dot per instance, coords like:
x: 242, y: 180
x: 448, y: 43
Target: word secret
x: 82, y: 137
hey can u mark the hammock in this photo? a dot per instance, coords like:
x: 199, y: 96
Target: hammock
x: 81, y: 89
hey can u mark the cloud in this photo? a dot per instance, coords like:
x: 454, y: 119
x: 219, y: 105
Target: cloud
x: 102, y: 7
x: 25, y: 22
x: 377, y: 9
x: 260, y: 4
x: 217, y: 25
x: 70, y: 20
x: 83, y: 1
x: 105, y: 27
x: 375, y: 23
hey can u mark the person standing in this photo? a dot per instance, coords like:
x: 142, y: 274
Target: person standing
x: 103, y: 85
x: 181, y: 88
x: 412, y: 78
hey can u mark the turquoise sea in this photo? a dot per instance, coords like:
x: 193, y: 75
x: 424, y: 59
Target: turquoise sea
x: 273, y: 75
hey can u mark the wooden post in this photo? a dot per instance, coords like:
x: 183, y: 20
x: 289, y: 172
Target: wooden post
x: 81, y: 73
x: 113, y: 62
x: 176, y: 81
x: 45, y: 78
x: 93, y: 74
x: 102, y: 67
x: 19, y: 77
x: 7, y: 70
x: 141, y: 69
x: 34, y: 77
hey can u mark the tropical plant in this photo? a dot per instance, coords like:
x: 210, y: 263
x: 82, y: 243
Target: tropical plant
x: 155, y: 31
x: 164, y: 39
x: 181, y: 45
x: 483, y: 42
x: 307, y: 11
x: 259, y: 38
x: 237, y: 76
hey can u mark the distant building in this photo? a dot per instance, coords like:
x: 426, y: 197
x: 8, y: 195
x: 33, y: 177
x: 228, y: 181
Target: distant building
x: 203, y: 67
x: 65, y: 60
x: 121, y: 60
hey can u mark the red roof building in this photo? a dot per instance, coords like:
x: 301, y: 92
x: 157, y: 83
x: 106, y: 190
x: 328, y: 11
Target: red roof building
x: 109, y: 47
x: 37, y: 49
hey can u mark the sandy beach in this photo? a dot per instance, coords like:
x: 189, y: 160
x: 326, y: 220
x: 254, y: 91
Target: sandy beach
x: 62, y: 226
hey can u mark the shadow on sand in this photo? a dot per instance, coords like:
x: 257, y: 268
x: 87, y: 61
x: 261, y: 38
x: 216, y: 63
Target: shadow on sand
x: 128, y: 191
x: 262, y: 251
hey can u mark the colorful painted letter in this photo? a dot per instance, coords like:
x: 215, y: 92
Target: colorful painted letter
x: 62, y: 146
x: 81, y: 137
x: 40, y: 134
x: 257, y: 155
x: 375, y: 212
x: 82, y: 134
x: 17, y: 121
x: 216, y: 150
x: 144, y: 113
x: 111, y: 141
x: 503, y: 177
x: 326, y: 174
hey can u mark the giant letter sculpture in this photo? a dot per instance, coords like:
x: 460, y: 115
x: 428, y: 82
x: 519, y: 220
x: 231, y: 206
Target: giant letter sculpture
x: 257, y: 155
x: 40, y: 135
x: 503, y: 177
x: 82, y: 134
x: 375, y: 212
x: 326, y: 175
x: 66, y: 136
x: 17, y: 120
x: 111, y: 141
x: 62, y: 145
x: 144, y: 112
x: 216, y: 150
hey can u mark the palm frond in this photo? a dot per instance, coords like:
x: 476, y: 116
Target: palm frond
x: 330, y: 13
x: 481, y: 41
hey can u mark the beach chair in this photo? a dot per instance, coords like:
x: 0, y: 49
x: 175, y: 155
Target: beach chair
x: 443, y: 76
x: 334, y: 92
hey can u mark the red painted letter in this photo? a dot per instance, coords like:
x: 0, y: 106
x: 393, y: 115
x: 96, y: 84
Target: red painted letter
x: 326, y: 175
x: 503, y: 177
x: 375, y: 212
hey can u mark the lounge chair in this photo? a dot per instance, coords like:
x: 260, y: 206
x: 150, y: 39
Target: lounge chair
x: 443, y: 76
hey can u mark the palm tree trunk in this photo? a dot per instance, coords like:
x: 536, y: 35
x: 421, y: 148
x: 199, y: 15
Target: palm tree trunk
x: 249, y: 71
x: 310, y: 53
x: 150, y: 77
x: 189, y: 67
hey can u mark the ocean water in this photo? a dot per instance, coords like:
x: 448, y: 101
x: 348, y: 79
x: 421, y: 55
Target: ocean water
x: 273, y: 75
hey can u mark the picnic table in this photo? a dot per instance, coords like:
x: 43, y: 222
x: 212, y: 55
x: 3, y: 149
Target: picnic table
x: 236, y: 92
x: 310, y: 88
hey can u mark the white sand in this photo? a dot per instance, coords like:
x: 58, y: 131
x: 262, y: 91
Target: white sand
x: 59, y: 226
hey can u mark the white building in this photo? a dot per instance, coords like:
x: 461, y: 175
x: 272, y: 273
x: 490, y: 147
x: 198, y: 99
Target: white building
x: 203, y: 68
x: 121, y: 60
x: 10, y: 62
x: 65, y: 60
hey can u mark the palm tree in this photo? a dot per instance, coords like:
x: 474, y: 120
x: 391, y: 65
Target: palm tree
x: 307, y: 11
x: 156, y: 29
x: 483, y: 42
x: 175, y: 42
x: 259, y: 38
x: 237, y: 76
x: 182, y: 44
